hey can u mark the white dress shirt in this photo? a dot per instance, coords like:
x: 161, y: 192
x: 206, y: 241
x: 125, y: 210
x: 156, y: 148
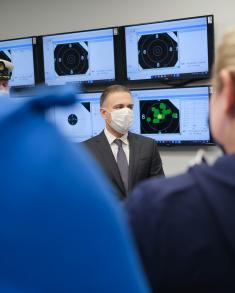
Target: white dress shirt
x: 114, y: 146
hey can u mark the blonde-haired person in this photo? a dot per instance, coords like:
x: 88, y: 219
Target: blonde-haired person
x: 222, y: 108
x: 184, y: 226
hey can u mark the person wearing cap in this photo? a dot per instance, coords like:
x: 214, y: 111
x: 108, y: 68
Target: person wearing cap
x: 6, y: 68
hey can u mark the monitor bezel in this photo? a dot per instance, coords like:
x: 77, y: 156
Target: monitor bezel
x: 87, y: 84
x: 182, y: 143
x: 170, y: 80
x: 35, y: 64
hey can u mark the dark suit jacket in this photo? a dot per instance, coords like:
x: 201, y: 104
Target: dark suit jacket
x: 144, y: 160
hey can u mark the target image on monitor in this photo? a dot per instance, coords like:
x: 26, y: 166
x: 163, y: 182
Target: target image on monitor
x: 173, y: 115
x: 169, y: 50
x: 158, y: 50
x: 21, y: 53
x: 79, y: 57
x: 159, y: 116
x: 80, y: 121
x: 72, y: 119
x: 71, y: 58
x: 5, y: 55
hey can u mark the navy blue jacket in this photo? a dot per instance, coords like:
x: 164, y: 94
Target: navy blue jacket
x: 185, y: 229
x: 61, y: 229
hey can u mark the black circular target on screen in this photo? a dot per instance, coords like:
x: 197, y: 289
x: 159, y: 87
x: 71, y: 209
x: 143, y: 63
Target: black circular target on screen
x: 71, y: 59
x: 72, y: 119
x: 5, y: 55
x: 159, y: 116
x: 158, y: 50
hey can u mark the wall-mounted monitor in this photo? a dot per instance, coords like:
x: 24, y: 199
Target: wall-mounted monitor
x: 21, y: 52
x: 169, y: 50
x: 80, y: 121
x: 80, y: 57
x: 173, y: 116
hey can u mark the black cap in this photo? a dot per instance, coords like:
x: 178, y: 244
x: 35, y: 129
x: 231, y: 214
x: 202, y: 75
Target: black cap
x: 6, y: 68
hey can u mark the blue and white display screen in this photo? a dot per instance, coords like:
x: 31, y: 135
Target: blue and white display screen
x: 79, y: 57
x: 169, y: 49
x: 80, y: 121
x: 174, y: 115
x: 169, y: 116
x: 20, y: 53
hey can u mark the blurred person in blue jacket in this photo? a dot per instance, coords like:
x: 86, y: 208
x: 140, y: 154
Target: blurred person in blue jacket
x: 61, y: 231
x: 184, y: 226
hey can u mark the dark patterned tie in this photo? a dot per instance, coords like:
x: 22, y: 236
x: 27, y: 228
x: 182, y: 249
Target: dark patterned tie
x: 122, y: 163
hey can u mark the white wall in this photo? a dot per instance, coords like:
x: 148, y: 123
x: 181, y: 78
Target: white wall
x: 30, y: 17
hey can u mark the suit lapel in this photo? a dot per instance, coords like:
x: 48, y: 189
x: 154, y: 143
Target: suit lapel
x: 109, y: 160
x: 134, y: 149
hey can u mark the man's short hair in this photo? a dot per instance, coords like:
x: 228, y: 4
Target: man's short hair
x: 6, y: 68
x: 113, y: 89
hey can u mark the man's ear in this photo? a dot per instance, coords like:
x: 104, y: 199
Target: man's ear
x: 4, y: 86
x: 228, y: 91
x: 103, y: 113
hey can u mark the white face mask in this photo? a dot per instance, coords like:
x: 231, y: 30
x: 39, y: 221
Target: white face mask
x: 121, y: 119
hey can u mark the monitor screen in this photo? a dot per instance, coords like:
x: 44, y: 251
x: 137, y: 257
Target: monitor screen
x: 21, y: 53
x: 169, y: 50
x: 80, y: 121
x: 87, y: 56
x: 173, y: 115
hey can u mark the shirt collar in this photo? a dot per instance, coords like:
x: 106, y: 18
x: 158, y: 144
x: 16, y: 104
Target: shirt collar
x: 111, y: 137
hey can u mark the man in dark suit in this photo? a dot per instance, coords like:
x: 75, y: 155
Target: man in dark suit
x: 127, y: 158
